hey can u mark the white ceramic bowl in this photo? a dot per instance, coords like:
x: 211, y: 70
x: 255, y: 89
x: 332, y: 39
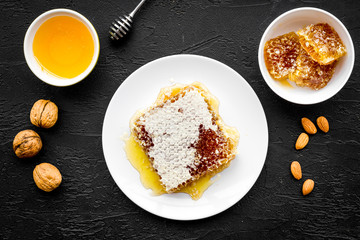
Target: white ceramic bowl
x: 292, y: 21
x: 29, y: 54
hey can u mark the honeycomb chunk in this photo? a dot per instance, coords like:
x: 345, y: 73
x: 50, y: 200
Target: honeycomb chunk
x: 183, y: 135
x: 311, y: 74
x: 322, y: 43
x: 280, y: 55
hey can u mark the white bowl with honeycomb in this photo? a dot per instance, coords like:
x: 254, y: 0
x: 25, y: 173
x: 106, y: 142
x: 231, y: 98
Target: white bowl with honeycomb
x: 293, y: 21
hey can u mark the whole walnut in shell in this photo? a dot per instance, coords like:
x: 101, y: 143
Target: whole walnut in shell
x: 27, y: 143
x: 44, y: 113
x: 47, y: 177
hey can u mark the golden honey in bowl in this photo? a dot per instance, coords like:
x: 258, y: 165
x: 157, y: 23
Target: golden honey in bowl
x: 63, y: 46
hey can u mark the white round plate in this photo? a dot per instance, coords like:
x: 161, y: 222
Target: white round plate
x: 293, y: 21
x: 239, y: 107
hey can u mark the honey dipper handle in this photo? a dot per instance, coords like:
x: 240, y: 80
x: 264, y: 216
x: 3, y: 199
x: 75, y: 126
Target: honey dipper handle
x: 132, y: 14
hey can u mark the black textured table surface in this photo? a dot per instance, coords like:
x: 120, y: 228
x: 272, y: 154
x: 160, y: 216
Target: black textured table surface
x: 89, y: 204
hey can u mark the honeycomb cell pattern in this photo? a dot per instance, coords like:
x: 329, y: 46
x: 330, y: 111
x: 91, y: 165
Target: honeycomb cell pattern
x: 309, y: 59
x: 322, y: 43
x: 280, y: 55
x: 311, y: 74
x: 182, y: 139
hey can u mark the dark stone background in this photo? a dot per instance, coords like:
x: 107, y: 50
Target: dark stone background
x: 90, y: 205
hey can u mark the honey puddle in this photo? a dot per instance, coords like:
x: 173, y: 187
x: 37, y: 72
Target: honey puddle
x: 285, y: 83
x: 151, y: 180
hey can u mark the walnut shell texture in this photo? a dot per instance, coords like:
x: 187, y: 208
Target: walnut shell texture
x: 47, y: 177
x: 27, y: 143
x: 44, y: 113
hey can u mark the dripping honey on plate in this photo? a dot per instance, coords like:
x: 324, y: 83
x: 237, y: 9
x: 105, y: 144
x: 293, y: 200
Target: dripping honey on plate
x: 151, y: 180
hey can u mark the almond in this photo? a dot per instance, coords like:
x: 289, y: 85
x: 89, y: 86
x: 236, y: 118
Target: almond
x: 296, y: 170
x: 302, y: 141
x: 323, y: 124
x: 308, y: 126
x: 308, y: 186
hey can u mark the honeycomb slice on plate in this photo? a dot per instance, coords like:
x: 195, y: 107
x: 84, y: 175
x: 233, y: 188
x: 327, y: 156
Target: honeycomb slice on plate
x: 184, y: 136
x: 311, y: 74
x: 322, y: 43
x: 280, y: 55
